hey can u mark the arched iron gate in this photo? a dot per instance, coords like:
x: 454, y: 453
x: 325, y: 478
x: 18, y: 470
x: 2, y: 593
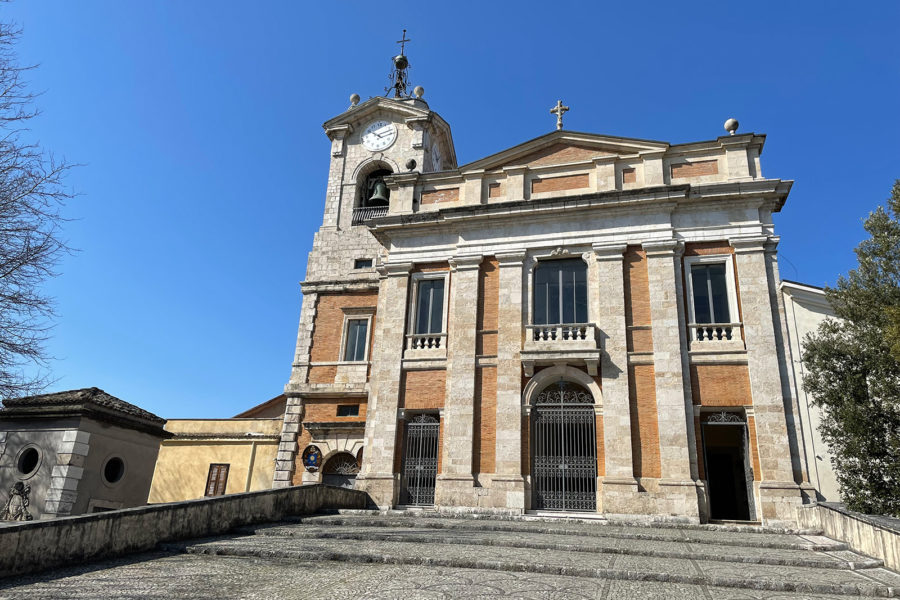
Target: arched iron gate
x: 564, y: 449
x: 420, y: 460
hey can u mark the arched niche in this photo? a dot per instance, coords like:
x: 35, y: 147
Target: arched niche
x: 366, y: 176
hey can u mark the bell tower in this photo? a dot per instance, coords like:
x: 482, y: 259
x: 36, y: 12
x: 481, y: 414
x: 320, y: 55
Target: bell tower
x: 376, y: 145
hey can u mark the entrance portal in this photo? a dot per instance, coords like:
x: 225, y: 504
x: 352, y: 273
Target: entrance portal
x: 729, y: 476
x: 564, y: 449
x: 420, y: 454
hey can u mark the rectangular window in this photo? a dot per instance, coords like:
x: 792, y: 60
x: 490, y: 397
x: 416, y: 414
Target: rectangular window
x: 709, y: 288
x: 216, y: 480
x: 560, y: 292
x: 355, y: 345
x: 362, y: 263
x: 348, y: 410
x: 430, y: 306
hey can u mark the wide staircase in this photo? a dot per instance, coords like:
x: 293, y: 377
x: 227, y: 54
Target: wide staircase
x: 553, y: 558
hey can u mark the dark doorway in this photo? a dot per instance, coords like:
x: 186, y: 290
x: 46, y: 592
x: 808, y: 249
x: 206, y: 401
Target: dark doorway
x: 729, y: 477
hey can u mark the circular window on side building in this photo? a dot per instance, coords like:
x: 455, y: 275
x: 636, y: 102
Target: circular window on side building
x: 113, y: 470
x: 29, y: 461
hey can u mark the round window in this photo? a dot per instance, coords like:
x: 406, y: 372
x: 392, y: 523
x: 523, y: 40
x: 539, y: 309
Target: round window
x: 29, y: 461
x: 114, y: 470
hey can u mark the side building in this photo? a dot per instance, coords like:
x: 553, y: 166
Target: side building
x: 578, y: 323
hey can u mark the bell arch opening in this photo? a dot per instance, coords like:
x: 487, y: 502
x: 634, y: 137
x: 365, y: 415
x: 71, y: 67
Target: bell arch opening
x: 563, y: 448
x: 372, y: 193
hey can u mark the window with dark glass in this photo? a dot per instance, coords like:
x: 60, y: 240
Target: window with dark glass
x: 362, y: 263
x: 560, y: 292
x: 709, y: 289
x: 355, y: 347
x: 348, y: 410
x: 430, y: 306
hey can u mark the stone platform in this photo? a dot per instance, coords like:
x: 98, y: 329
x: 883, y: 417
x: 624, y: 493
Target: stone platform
x: 359, y: 554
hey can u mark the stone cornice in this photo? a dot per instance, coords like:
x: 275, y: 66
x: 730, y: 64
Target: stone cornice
x: 743, y: 245
x: 510, y: 259
x: 669, y: 247
x: 604, y: 252
x: 312, y: 287
x: 469, y: 262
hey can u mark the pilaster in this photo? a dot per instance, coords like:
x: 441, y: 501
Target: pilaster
x: 508, y: 485
x: 338, y: 136
x: 674, y: 419
x: 605, y: 172
x: 66, y: 474
x: 515, y: 183
x: 619, y: 485
x: 377, y: 476
x: 779, y: 493
x: 653, y: 168
x: 455, y: 483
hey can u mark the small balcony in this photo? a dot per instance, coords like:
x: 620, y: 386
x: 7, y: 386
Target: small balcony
x: 425, y: 346
x: 367, y: 213
x: 571, y: 342
x: 715, y: 336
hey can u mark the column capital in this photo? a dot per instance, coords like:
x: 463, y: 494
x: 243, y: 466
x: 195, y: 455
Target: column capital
x: 669, y: 247
x: 468, y: 262
x: 744, y: 244
x: 400, y: 269
x: 604, y: 252
x: 514, y: 258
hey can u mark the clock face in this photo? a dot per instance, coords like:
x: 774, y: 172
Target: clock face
x: 379, y: 135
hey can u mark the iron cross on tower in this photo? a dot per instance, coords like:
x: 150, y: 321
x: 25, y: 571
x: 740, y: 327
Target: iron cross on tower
x: 558, y: 110
x: 398, y: 75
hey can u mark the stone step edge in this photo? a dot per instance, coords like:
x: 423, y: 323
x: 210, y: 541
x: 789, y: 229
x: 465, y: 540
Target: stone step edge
x: 756, y: 583
x: 498, y: 526
x: 599, y: 520
x: 856, y: 565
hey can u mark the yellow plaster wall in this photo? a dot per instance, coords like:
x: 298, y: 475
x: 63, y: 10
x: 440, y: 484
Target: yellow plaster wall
x: 183, y: 463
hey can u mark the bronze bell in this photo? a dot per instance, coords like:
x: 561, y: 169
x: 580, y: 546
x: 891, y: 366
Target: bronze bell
x: 379, y: 192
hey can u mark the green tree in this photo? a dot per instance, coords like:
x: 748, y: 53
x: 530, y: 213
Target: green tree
x: 853, y: 371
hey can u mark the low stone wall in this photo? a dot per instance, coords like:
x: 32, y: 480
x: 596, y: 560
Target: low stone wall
x: 37, y: 545
x: 876, y: 536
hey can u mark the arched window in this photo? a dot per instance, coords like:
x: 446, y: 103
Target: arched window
x: 560, y: 292
x: 340, y: 470
x: 373, y: 191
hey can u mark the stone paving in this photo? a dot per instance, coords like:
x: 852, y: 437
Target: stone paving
x: 360, y: 556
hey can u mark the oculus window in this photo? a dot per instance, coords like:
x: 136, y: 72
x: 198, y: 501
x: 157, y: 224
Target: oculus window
x: 560, y: 292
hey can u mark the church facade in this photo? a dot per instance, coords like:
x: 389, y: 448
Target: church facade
x: 579, y: 323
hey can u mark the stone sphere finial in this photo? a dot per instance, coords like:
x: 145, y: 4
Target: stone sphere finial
x: 419, y: 91
x: 354, y: 99
x: 731, y: 126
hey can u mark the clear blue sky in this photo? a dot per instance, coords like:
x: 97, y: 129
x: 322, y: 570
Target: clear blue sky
x: 199, y: 125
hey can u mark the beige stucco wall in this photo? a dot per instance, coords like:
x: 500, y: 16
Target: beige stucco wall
x: 806, y: 307
x: 183, y: 464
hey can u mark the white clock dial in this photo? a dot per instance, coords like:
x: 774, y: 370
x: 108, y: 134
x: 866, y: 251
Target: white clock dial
x: 379, y: 135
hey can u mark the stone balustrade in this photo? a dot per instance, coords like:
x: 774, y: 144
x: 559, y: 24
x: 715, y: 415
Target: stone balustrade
x: 715, y: 334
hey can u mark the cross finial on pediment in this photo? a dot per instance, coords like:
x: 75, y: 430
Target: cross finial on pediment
x: 559, y: 110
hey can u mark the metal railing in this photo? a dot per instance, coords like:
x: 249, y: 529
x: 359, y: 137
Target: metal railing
x: 365, y: 213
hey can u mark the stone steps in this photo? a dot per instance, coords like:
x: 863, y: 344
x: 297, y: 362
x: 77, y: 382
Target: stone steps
x: 687, y: 570
x: 729, y: 536
x: 833, y: 559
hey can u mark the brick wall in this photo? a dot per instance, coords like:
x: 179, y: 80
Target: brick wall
x: 637, y: 300
x: 558, y: 184
x: 495, y: 190
x: 695, y: 169
x: 629, y: 175
x: 485, y: 442
x: 720, y: 385
x: 440, y: 196
x: 322, y: 410
x: 329, y: 329
x: 488, y: 304
x: 559, y: 154
x: 644, y: 424
x: 423, y: 389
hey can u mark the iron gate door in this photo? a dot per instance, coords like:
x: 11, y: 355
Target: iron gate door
x: 420, y: 460
x: 564, y: 442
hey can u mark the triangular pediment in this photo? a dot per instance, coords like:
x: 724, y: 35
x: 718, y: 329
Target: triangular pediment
x: 406, y: 109
x: 560, y: 147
